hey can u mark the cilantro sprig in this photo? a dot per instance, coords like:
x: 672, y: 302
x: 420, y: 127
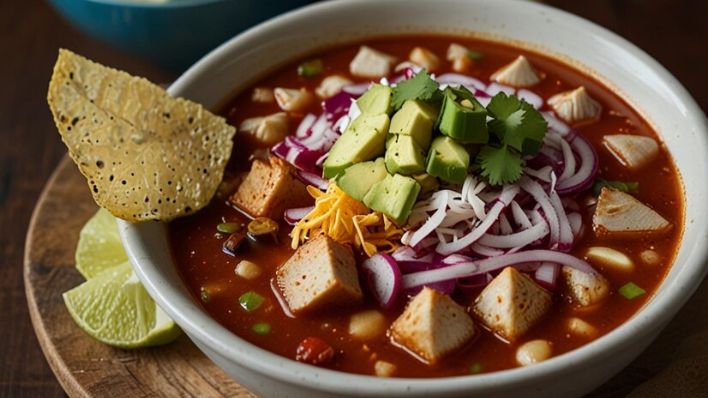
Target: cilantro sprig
x: 419, y: 87
x: 517, y: 130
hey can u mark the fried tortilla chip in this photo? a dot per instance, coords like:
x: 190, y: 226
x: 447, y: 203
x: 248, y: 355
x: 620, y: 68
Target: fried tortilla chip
x: 146, y: 155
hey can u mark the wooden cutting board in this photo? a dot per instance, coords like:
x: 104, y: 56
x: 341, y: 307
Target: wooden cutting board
x: 87, y: 368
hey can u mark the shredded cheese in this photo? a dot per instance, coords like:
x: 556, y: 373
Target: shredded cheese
x: 347, y: 221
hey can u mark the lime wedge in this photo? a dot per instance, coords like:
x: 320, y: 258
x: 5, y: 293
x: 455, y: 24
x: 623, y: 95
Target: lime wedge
x: 99, y: 245
x: 115, y: 308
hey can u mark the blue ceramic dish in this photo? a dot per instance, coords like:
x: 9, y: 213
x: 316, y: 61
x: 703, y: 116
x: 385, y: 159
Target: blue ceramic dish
x: 173, y: 34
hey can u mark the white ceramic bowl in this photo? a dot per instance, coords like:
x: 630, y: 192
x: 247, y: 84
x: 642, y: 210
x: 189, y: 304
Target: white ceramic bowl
x: 622, y: 66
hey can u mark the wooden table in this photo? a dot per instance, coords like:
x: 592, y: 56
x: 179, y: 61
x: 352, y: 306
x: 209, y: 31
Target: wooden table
x: 673, y: 31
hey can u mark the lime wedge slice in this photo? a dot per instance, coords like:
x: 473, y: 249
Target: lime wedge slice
x: 115, y: 308
x: 99, y: 245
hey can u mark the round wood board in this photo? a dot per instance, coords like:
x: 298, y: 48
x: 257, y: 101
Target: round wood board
x: 84, y: 366
x: 672, y: 366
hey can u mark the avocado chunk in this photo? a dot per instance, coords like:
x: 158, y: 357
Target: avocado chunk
x: 415, y: 119
x: 404, y: 156
x: 462, y: 117
x: 376, y: 100
x: 394, y: 196
x: 358, y: 178
x: 427, y: 182
x: 364, y: 139
x: 448, y: 160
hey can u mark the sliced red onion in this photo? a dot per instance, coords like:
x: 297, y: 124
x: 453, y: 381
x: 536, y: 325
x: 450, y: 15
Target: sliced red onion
x: 507, y: 195
x: 576, y: 223
x: 547, y: 275
x: 585, y: 174
x: 565, y: 241
x: 292, y: 216
x: 474, y: 282
x: 556, y: 124
x: 384, y: 278
x: 568, y: 160
x: 485, y: 251
x: 409, y: 260
x: 543, y: 174
x: 520, y: 218
x: 312, y: 179
x: 427, y: 277
x: 440, y: 203
x: 458, y: 79
x: 535, y: 190
x: 515, y: 240
x: 532, y: 98
x: 303, y: 129
x: 356, y: 89
x: 337, y: 106
x: 496, y: 88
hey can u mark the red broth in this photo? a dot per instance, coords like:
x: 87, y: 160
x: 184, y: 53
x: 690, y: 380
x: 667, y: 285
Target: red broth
x: 197, y: 248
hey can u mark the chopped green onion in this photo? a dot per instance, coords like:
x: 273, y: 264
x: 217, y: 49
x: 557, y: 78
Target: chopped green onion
x: 310, y: 68
x: 619, y: 185
x: 474, y: 55
x: 631, y: 291
x: 250, y: 301
x: 475, y: 368
x: 261, y: 328
x: 228, y: 227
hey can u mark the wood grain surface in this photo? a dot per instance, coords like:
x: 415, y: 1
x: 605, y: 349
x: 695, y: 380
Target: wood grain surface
x: 672, y: 31
x: 84, y: 366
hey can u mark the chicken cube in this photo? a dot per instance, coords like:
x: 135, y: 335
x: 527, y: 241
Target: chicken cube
x: 512, y: 303
x: 425, y: 58
x: 619, y: 213
x: 332, y: 85
x: 585, y: 288
x: 459, y: 56
x: 270, y: 188
x: 371, y: 64
x: 321, y: 274
x: 292, y: 100
x: 432, y: 326
x: 633, y: 151
x: 267, y: 130
x: 263, y: 95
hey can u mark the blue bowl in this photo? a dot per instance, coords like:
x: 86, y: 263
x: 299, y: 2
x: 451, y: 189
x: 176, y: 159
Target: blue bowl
x: 174, y: 34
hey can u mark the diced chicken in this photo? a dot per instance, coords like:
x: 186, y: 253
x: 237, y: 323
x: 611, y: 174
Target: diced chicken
x: 609, y: 257
x: 384, y: 369
x: 533, y: 352
x: 332, y: 85
x: 619, y: 213
x: 581, y: 328
x: 268, y: 130
x: 367, y: 325
x: 519, y: 73
x: 633, y: 151
x: 370, y: 63
x: 293, y: 100
x: 270, y: 188
x: 575, y: 105
x: 320, y: 275
x: 432, y: 326
x: 424, y: 58
x: 585, y: 288
x: 459, y: 56
x: 263, y: 95
x: 512, y: 303
x: 248, y: 270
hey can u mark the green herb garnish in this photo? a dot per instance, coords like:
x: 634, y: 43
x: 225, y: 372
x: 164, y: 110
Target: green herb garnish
x: 310, y: 68
x: 250, y: 301
x: 619, y: 185
x: 631, y: 291
x: 518, y: 130
x: 228, y: 227
x: 475, y: 368
x: 261, y: 328
x: 474, y: 55
x: 419, y: 87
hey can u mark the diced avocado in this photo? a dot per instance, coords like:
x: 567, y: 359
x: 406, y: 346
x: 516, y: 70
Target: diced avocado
x: 358, y: 178
x: 376, y: 100
x: 404, y: 156
x: 462, y: 117
x: 394, y: 196
x: 427, y: 182
x: 363, y: 140
x: 448, y: 160
x: 415, y: 119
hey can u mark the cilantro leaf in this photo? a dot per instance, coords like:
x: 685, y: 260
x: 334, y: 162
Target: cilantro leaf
x: 619, y: 185
x: 499, y: 165
x: 516, y: 123
x: 420, y: 87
